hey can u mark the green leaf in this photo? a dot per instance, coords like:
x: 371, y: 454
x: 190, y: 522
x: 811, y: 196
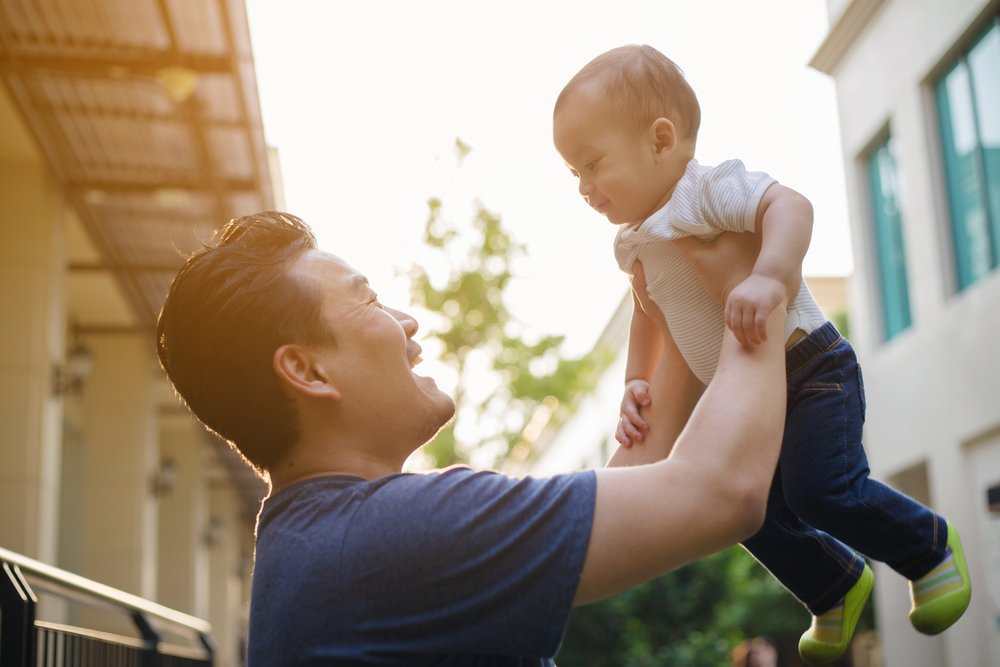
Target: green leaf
x: 475, y: 317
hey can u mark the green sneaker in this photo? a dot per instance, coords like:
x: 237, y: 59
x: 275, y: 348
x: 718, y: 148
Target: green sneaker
x: 831, y: 632
x: 941, y: 596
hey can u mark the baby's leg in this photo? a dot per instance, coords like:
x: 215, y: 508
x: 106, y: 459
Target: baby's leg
x: 722, y: 263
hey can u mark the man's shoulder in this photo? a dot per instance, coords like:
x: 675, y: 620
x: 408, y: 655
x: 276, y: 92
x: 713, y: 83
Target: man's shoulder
x: 414, y: 489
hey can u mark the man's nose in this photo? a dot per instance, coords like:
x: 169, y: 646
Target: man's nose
x: 407, y: 321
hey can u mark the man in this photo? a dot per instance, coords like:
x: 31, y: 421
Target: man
x: 285, y: 351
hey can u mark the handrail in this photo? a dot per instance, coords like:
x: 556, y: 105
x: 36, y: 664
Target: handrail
x: 120, y: 598
x: 25, y: 639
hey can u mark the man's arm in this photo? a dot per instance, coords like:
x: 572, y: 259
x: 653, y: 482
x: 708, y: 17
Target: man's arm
x: 712, y: 490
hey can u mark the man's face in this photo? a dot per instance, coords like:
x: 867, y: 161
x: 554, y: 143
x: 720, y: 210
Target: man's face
x: 613, y: 162
x: 372, y: 362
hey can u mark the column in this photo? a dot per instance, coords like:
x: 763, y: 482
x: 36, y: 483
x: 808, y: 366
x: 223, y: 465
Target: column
x: 32, y: 339
x: 226, y: 603
x: 120, y: 457
x: 183, y: 515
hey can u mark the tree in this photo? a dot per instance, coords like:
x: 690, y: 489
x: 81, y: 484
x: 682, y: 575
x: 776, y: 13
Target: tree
x: 505, y: 370
x: 692, y: 616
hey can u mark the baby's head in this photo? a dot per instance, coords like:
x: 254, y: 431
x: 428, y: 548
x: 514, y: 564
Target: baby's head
x: 626, y: 125
x: 642, y: 84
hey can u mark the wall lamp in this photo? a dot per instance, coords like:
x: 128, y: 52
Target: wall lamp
x: 71, y: 375
x: 164, y: 479
x: 215, y: 531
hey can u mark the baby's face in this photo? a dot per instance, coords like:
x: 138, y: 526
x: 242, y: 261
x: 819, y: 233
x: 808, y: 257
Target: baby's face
x: 616, y: 164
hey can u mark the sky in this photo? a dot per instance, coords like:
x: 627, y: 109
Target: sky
x: 364, y: 101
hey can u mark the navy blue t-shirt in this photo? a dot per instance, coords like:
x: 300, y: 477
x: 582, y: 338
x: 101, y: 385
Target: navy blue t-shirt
x: 453, y: 567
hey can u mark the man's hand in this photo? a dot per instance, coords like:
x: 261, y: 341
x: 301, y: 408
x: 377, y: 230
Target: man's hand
x: 631, y: 426
x: 721, y: 264
x: 749, y: 304
x: 725, y: 267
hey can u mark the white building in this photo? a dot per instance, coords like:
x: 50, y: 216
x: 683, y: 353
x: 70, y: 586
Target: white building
x: 918, y: 86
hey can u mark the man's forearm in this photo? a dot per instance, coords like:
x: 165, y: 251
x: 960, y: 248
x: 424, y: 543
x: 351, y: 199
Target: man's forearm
x: 735, y: 430
x: 712, y: 490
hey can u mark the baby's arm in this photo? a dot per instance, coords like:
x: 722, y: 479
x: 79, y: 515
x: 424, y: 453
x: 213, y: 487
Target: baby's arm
x: 784, y: 224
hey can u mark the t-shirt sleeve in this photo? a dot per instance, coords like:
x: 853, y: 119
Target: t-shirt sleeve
x: 473, y: 562
x: 720, y: 199
x: 730, y: 196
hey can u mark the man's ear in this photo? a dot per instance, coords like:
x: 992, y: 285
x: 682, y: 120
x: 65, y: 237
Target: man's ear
x: 298, y: 372
x: 664, y: 136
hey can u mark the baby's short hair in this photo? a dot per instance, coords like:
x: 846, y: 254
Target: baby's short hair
x: 644, y: 84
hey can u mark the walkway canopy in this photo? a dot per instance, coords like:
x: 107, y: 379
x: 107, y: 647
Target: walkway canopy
x: 147, y: 114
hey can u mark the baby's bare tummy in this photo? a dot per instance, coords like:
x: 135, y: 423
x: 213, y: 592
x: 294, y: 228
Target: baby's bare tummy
x: 649, y: 307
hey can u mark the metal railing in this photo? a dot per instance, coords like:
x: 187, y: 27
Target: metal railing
x: 26, y: 641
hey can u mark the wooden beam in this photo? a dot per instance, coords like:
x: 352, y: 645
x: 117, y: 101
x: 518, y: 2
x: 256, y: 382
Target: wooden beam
x: 116, y: 64
x: 192, y: 183
x: 98, y: 267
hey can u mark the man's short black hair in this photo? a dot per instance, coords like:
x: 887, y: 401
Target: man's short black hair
x: 233, y: 303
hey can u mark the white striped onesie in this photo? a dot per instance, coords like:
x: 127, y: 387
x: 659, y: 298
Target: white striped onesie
x: 706, y: 202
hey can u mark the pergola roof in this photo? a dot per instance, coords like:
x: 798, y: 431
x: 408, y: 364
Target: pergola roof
x: 147, y: 114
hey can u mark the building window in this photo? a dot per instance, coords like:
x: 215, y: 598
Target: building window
x: 891, y: 257
x: 968, y: 99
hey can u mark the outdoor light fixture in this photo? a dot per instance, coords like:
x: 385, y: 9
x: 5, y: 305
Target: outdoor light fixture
x: 164, y: 479
x: 215, y: 530
x: 178, y: 82
x: 70, y: 376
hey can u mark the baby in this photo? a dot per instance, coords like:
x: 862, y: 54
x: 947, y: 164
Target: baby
x: 626, y: 126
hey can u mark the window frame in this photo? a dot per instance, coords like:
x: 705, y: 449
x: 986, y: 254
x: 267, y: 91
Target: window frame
x: 879, y: 266
x: 961, y: 259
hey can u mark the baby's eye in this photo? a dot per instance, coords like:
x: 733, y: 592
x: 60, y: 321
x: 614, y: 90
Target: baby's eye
x: 592, y: 165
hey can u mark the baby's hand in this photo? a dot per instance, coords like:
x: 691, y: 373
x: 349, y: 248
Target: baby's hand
x: 749, y: 304
x: 631, y: 426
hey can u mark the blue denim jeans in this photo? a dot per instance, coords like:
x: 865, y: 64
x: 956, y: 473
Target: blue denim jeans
x: 823, y: 506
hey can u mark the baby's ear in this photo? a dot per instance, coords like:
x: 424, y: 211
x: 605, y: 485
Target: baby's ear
x: 664, y: 135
